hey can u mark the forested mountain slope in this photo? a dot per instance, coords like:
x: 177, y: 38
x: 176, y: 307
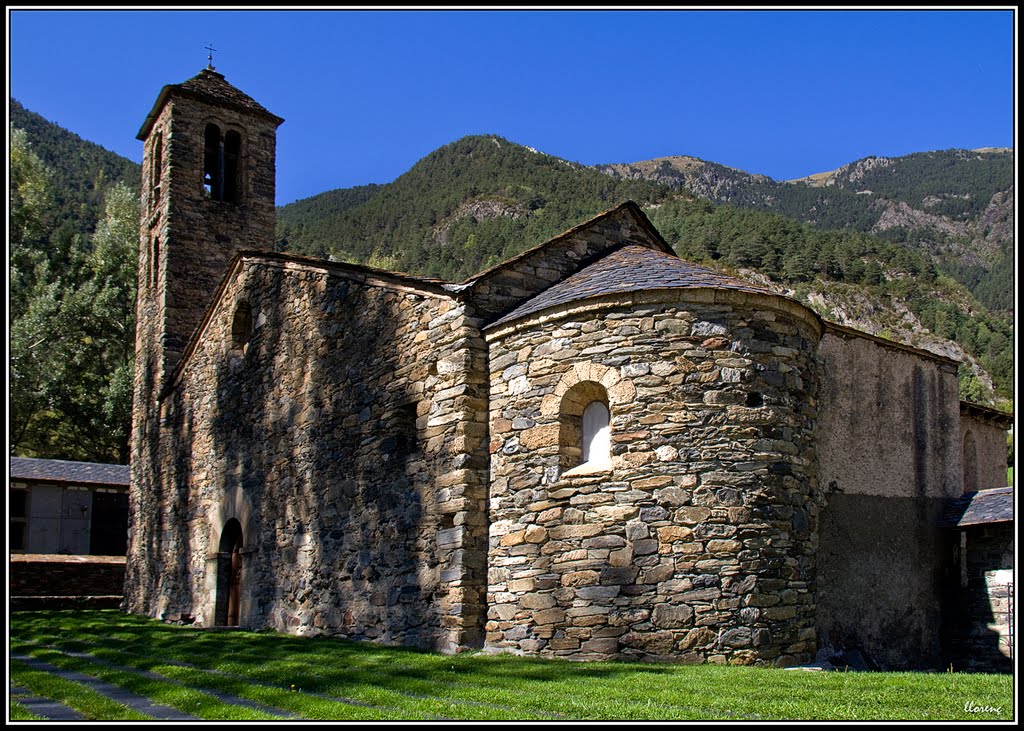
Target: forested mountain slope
x: 957, y: 205
x: 889, y: 265
x: 477, y: 201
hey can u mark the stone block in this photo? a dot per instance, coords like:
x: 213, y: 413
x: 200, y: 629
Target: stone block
x: 561, y: 532
x: 652, y: 643
x: 723, y: 546
x: 657, y: 574
x: 652, y: 482
x: 698, y: 637
x: 737, y: 637
x: 539, y: 436
x: 672, y: 533
x: 535, y: 534
x: 597, y: 593
x: 549, y: 616
x: 691, y: 514
x: 645, y: 546
x: 564, y: 643
x: 601, y: 646
x: 580, y: 578
x: 536, y: 601
x: 614, y: 513
x: 636, y: 530
x: 668, y: 616
x: 619, y: 575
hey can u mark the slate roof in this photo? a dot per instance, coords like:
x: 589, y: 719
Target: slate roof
x: 638, y: 216
x: 78, y: 473
x: 211, y: 86
x: 1000, y: 419
x: 627, y: 269
x: 977, y: 508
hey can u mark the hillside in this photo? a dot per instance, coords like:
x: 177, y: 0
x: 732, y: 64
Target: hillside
x: 957, y: 205
x: 82, y: 171
x: 464, y: 207
x: 479, y: 200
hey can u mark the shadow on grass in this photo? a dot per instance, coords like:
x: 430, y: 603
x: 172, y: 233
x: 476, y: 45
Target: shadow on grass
x: 511, y: 685
x: 318, y: 664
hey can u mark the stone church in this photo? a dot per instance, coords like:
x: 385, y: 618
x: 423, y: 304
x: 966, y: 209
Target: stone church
x: 592, y: 450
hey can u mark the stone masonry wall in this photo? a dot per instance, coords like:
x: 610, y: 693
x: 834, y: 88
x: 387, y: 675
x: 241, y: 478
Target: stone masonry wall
x: 347, y: 438
x: 982, y: 641
x: 699, y: 543
x: 187, y: 242
x: 36, y: 575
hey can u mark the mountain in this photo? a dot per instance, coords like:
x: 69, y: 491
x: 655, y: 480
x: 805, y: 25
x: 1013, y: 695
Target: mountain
x: 482, y: 199
x: 462, y: 208
x: 955, y: 204
x: 82, y: 170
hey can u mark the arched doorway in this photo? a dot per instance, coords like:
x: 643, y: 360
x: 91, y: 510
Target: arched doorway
x: 229, y: 575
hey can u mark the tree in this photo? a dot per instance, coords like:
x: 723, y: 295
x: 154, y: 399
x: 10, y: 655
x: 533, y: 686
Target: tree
x: 31, y: 191
x: 72, y: 341
x: 111, y: 296
x: 31, y: 195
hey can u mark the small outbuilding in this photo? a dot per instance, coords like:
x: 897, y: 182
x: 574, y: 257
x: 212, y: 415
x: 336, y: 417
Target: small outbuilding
x: 982, y: 635
x: 64, y: 507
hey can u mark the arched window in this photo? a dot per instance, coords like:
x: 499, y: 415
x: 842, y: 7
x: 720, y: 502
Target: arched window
x: 970, y: 462
x: 213, y: 164
x: 584, y: 435
x: 597, y: 435
x: 154, y: 261
x: 232, y: 153
x: 241, y: 329
x: 222, y: 155
x: 156, y: 171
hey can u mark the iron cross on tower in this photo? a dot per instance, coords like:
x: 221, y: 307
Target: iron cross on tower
x: 209, y: 58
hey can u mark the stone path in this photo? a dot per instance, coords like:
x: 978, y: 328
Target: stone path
x: 44, y: 707
x: 277, y: 712
x: 136, y: 702
x: 58, y: 712
x: 219, y: 695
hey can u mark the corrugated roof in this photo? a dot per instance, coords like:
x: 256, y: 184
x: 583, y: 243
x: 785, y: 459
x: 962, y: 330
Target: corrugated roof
x: 78, y: 473
x: 977, y: 508
x: 628, y: 269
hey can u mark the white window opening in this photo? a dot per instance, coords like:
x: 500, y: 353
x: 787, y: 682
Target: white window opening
x: 597, y: 435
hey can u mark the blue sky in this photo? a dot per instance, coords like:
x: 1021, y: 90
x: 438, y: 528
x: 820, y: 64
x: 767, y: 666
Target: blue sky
x: 365, y: 94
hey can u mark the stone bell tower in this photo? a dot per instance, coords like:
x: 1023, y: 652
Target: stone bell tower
x: 207, y: 193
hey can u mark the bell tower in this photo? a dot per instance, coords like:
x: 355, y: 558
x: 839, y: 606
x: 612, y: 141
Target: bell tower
x: 207, y: 193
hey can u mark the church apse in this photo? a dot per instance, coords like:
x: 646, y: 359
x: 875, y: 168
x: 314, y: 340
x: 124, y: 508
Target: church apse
x: 696, y: 542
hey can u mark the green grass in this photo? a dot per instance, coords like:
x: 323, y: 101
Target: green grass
x: 324, y: 678
x: 1009, y: 476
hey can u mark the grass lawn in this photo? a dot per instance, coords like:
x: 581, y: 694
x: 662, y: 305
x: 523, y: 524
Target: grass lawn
x: 323, y: 678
